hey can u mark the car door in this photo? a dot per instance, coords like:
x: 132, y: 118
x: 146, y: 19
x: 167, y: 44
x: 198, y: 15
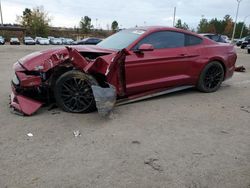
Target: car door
x: 165, y: 66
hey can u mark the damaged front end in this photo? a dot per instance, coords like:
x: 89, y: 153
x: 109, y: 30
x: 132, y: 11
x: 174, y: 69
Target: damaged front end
x: 27, y: 91
x: 36, y: 74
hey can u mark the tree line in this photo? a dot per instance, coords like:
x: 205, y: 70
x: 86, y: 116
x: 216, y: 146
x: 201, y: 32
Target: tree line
x: 36, y: 22
x: 86, y: 25
x: 224, y: 26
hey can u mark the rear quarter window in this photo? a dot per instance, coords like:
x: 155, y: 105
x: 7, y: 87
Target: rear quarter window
x: 191, y: 40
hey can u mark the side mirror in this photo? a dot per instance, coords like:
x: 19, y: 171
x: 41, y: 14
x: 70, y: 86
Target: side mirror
x: 145, y: 47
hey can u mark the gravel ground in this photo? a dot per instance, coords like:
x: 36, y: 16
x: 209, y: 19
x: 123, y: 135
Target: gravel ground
x: 186, y: 139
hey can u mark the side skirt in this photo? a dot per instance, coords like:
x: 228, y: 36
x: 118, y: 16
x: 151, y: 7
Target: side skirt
x: 146, y: 96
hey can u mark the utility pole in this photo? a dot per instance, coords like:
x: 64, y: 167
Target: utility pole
x: 96, y: 23
x: 1, y: 14
x: 235, y: 23
x: 174, y: 16
x: 243, y: 25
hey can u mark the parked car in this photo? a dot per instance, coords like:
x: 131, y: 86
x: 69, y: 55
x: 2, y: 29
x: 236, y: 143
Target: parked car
x: 43, y: 41
x: 226, y: 38
x: 2, y: 40
x: 88, y: 41
x: 248, y: 48
x: 37, y: 39
x: 50, y: 37
x: 14, y: 41
x: 245, y: 43
x: 239, y: 42
x: 56, y: 41
x: 68, y: 41
x: 130, y: 65
x: 214, y: 37
x: 29, y: 41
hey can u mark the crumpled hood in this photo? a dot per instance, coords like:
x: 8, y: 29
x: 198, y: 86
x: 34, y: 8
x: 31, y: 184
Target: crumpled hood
x: 36, y: 59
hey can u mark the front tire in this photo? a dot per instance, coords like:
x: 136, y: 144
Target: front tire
x: 248, y: 51
x: 73, y: 92
x: 211, y: 77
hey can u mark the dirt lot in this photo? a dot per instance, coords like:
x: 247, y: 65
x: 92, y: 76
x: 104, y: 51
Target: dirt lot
x: 186, y: 139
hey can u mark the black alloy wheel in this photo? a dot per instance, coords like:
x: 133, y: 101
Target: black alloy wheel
x: 73, y: 92
x: 211, y: 77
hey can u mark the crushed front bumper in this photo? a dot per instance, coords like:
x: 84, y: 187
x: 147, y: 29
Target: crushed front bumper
x: 21, y: 104
x: 24, y: 105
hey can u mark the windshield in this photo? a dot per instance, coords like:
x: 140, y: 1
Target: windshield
x: 121, y: 39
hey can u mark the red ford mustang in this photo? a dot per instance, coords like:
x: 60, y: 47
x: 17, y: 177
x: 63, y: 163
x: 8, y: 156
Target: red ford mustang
x: 130, y: 65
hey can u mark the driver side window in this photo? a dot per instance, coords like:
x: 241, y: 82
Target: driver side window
x: 163, y: 39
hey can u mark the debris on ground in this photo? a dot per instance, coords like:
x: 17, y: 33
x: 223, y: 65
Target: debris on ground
x: 112, y: 115
x: 197, y: 153
x: 240, y: 69
x: 52, y: 107
x: 13, y: 111
x: 224, y: 132
x: 245, y: 108
x: 154, y: 164
x: 77, y: 133
x: 55, y: 112
x: 136, y: 142
x: 30, y: 135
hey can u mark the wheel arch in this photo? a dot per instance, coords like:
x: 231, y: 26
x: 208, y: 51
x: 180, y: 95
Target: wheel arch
x: 78, y: 74
x: 101, y: 79
x: 219, y: 60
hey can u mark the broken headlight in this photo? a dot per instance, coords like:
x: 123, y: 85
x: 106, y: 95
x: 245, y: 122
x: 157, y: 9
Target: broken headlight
x: 15, y: 80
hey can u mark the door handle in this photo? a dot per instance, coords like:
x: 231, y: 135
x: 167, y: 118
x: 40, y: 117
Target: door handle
x: 183, y: 55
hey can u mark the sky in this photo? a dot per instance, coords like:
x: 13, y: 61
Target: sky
x: 128, y: 13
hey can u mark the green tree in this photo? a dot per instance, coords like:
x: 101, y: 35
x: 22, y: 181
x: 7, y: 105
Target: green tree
x: 85, y: 24
x: 224, y: 26
x: 181, y: 26
x: 36, y: 21
x: 216, y: 25
x: 228, y: 25
x: 26, y: 18
x: 203, y: 26
x: 114, y: 26
x: 239, y: 28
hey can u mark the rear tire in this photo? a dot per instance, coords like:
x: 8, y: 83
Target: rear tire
x: 248, y: 51
x: 73, y: 92
x: 211, y: 77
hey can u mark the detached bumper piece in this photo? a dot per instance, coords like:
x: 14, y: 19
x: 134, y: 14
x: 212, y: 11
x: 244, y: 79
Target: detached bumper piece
x: 23, y: 105
x: 240, y: 69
